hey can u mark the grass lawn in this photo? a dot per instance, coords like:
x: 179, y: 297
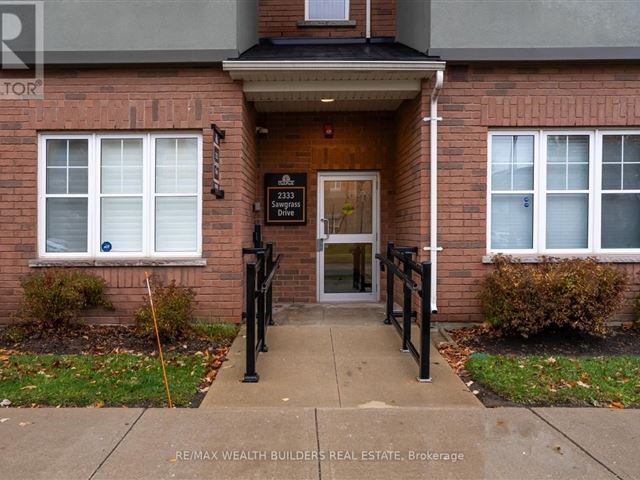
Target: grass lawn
x: 99, y: 380
x: 599, y: 381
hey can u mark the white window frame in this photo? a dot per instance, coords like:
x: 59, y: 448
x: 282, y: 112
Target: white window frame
x: 540, y: 192
x: 536, y: 195
x: 598, y: 213
x: 306, y: 14
x: 94, y: 195
x: 544, y: 191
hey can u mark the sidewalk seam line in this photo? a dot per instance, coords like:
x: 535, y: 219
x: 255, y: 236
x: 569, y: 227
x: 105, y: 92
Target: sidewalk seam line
x: 315, y: 414
x: 335, y: 366
x: 585, y: 451
x: 117, y: 444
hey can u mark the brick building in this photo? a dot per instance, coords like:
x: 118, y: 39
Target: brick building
x: 474, y: 127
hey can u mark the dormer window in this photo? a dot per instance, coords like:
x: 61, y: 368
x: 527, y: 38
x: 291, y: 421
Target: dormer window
x: 326, y: 9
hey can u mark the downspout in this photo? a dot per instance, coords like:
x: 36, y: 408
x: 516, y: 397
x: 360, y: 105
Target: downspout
x: 433, y: 210
x: 368, y: 20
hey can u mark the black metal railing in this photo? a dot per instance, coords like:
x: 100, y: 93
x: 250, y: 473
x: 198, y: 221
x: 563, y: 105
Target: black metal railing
x: 259, y: 301
x: 404, y: 270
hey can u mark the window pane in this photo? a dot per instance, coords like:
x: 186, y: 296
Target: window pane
x: 56, y: 153
x: 56, y: 180
x: 512, y: 162
x: 556, y: 148
x: 78, y: 180
x: 66, y: 225
x: 501, y: 176
x: 512, y: 221
x: 621, y: 220
x: 121, y: 223
x: 611, y: 176
x: 176, y: 165
x: 501, y: 149
x: 612, y: 148
x: 327, y: 9
x: 121, y: 165
x: 578, y: 150
x: 523, y: 177
x: 556, y: 176
x: 578, y: 177
x: 631, y: 148
x: 176, y: 224
x: 78, y: 153
x: 567, y: 221
x: 523, y: 149
x: 631, y: 176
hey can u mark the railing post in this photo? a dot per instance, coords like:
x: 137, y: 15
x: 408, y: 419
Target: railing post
x: 406, y: 303
x: 269, y: 294
x: 250, y: 375
x: 260, y: 317
x: 257, y: 236
x: 390, y: 280
x: 425, y: 323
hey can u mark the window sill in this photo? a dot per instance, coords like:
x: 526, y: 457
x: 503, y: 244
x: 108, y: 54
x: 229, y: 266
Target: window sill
x: 602, y: 257
x: 326, y: 23
x: 124, y: 262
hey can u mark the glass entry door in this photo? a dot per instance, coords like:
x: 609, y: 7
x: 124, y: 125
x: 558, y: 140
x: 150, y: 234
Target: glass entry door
x: 347, y: 236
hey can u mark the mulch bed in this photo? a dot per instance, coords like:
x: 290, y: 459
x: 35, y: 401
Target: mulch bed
x: 101, y: 339
x: 96, y: 339
x: 623, y: 340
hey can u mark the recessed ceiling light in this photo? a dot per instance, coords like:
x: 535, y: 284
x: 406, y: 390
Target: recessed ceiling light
x: 327, y: 100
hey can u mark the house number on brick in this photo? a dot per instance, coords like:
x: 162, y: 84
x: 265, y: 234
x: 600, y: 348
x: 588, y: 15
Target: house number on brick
x: 286, y: 198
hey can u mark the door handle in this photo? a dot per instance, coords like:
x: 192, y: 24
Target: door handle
x: 325, y: 229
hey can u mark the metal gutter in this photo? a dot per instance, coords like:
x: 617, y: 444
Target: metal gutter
x: 335, y: 65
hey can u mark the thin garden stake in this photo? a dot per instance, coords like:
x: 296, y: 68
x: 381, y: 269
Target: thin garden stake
x: 155, y: 326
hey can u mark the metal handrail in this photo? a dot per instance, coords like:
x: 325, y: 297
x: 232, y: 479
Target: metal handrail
x: 404, y: 271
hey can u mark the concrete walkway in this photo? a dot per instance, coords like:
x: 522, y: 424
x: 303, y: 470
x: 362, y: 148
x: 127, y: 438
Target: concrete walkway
x: 342, y: 403
x: 321, y: 443
x: 335, y: 356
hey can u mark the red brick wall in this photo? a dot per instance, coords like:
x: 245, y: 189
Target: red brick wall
x: 296, y: 143
x: 279, y: 18
x: 477, y: 98
x: 134, y: 99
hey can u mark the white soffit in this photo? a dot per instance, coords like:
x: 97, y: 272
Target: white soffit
x: 299, y: 85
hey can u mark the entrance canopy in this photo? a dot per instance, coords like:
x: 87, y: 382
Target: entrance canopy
x: 331, y: 76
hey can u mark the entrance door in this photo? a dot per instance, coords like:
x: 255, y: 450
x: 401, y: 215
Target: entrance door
x: 347, y: 236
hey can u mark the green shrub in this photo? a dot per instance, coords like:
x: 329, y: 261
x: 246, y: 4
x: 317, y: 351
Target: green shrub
x: 579, y: 294
x: 174, y: 310
x: 55, y: 298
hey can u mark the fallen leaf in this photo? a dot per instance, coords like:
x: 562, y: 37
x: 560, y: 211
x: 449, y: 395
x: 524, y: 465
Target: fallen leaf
x: 285, y: 399
x: 582, y: 384
x: 29, y: 387
x: 2, y: 420
x: 616, y: 405
x: 476, y: 392
x: 24, y: 424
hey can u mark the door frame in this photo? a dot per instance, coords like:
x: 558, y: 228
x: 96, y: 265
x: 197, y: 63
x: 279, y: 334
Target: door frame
x: 374, y: 295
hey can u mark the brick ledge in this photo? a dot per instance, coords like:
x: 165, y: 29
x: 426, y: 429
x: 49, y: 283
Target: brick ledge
x: 327, y: 23
x: 146, y: 262
x: 603, y: 258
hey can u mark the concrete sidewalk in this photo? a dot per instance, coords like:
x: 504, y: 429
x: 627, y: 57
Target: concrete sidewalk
x: 323, y: 443
x: 335, y: 356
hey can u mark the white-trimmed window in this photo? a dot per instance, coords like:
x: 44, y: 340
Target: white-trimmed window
x: 120, y: 195
x: 326, y: 9
x: 572, y: 191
